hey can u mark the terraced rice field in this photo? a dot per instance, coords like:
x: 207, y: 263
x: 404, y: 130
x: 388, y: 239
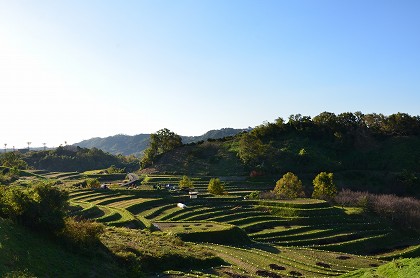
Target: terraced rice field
x: 185, y: 227
x: 269, y: 261
x: 299, y: 238
x: 55, y: 175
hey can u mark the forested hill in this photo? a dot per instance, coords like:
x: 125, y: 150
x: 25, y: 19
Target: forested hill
x: 372, y: 151
x: 118, y: 144
x: 213, y: 134
x: 135, y: 145
x: 70, y: 158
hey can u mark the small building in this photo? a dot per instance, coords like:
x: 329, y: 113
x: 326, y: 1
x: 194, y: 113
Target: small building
x: 193, y: 194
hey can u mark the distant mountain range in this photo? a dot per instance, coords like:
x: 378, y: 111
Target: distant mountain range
x: 136, y: 144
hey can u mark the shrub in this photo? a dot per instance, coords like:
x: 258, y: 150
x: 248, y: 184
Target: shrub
x: 15, y: 203
x: 216, y: 187
x: 80, y: 183
x: 40, y: 206
x: 8, y: 175
x: 268, y: 195
x: 51, y: 205
x: 354, y: 199
x: 324, y: 187
x: 93, y: 183
x: 13, y: 160
x: 254, y: 195
x: 114, y: 170
x: 185, y: 182
x: 81, y: 234
x: 289, y: 186
x: 404, y: 211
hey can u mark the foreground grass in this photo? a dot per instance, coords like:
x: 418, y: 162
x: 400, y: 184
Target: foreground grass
x: 396, y: 269
x: 154, y: 252
x: 24, y: 253
x: 121, y: 252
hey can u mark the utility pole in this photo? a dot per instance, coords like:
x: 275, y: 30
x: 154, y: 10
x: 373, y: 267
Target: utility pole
x: 28, y: 145
x: 44, y: 146
x: 5, y: 144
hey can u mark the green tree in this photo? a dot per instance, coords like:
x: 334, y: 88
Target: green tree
x: 251, y: 149
x: 216, y: 187
x: 162, y: 141
x: 324, y: 187
x: 289, y: 186
x: 13, y: 160
x: 327, y: 119
x: 113, y: 170
x: 299, y: 122
x: 185, y: 182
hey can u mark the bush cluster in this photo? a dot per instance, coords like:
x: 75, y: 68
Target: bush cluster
x: 79, y: 233
x: 403, y: 211
x: 43, y: 208
x: 40, y: 206
x: 8, y: 175
x: 93, y: 183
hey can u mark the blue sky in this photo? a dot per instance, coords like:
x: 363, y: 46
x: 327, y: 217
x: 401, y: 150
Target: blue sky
x: 72, y: 70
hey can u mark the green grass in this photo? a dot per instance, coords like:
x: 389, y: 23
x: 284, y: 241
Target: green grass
x: 157, y: 251
x: 112, y: 216
x: 24, y: 251
x: 125, y: 253
x: 404, y: 252
x: 290, y: 261
x: 402, y: 268
x: 190, y: 227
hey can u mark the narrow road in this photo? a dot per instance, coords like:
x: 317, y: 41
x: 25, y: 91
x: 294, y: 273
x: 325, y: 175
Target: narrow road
x: 132, y: 178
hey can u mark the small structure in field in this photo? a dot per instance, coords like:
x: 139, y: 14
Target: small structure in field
x: 193, y: 194
x: 181, y: 205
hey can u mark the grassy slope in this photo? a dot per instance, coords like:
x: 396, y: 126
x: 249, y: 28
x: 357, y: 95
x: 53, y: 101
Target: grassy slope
x: 23, y: 250
x: 395, y: 269
x: 156, y: 252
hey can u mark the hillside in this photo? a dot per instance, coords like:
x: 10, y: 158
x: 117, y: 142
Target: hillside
x: 118, y: 144
x: 209, y: 158
x: 391, y: 166
x: 135, y: 145
x: 361, y: 157
x: 70, y: 158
